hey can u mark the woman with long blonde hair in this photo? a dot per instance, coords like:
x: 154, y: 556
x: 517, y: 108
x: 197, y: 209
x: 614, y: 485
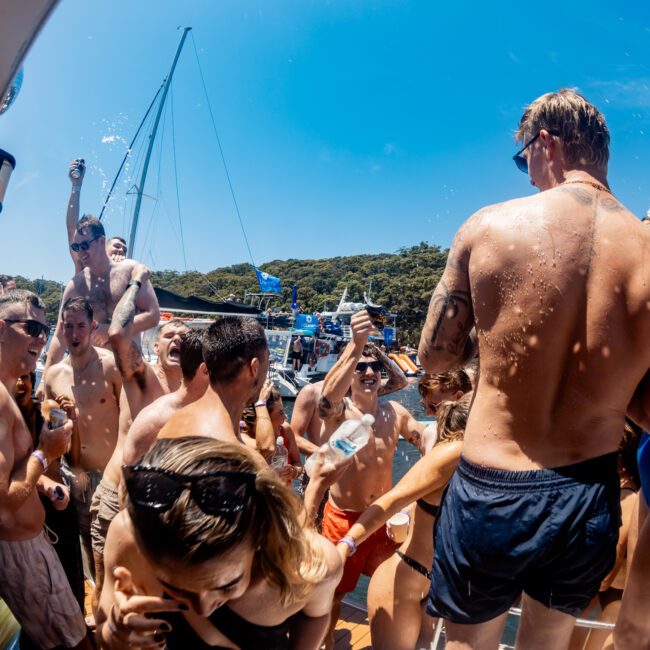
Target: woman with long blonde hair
x: 211, y: 551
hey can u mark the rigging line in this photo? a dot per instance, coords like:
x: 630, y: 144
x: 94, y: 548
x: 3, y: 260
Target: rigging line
x: 178, y: 196
x: 128, y: 151
x: 223, y: 159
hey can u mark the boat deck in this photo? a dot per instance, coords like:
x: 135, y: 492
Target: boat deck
x: 352, y: 631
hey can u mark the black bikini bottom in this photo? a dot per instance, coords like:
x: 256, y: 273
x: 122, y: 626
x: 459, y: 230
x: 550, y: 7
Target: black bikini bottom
x: 415, y: 565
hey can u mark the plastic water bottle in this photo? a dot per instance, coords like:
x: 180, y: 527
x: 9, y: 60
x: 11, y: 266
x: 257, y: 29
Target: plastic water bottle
x: 280, y: 458
x: 346, y: 441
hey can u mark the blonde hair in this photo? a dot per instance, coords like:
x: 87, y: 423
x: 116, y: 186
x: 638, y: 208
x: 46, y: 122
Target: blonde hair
x: 578, y: 123
x: 286, y: 554
x: 452, y: 418
x: 447, y: 382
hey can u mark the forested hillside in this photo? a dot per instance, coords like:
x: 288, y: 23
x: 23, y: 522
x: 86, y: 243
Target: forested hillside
x: 401, y: 281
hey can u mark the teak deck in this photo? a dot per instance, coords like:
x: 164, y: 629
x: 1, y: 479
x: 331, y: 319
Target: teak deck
x: 352, y: 631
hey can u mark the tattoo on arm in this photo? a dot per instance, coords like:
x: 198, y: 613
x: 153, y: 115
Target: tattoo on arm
x: 134, y: 366
x: 453, y: 308
x: 124, y: 312
x: 327, y: 409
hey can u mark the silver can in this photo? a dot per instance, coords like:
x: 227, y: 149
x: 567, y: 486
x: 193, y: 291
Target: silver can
x: 58, y: 417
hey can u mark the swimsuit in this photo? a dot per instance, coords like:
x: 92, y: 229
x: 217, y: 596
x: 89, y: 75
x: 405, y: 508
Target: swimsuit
x: 550, y: 533
x: 643, y: 461
x: 243, y: 633
x: 432, y: 510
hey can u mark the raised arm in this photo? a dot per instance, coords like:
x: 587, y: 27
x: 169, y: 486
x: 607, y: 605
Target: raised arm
x: 446, y: 342
x: 128, y: 355
x: 409, y: 428
x: 72, y: 214
x: 396, y: 379
x: 337, y: 382
x: 429, y: 474
x: 304, y: 409
x: 264, y: 434
x: 148, y: 312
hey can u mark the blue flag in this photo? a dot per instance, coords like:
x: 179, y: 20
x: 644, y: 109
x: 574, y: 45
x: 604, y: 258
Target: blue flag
x: 306, y: 323
x: 268, y: 283
x: 294, y: 298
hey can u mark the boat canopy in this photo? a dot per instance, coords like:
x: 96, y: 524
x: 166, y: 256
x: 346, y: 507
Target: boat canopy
x: 172, y: 302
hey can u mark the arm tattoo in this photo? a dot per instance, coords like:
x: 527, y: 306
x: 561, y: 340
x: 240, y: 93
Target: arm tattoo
x: 135, y: 365
x: 452, y: 307
x: 326, y: 409
x: 124, y: 312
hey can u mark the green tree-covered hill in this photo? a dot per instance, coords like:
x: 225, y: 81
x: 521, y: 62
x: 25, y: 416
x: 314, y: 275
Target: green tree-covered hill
x: 401, y: 281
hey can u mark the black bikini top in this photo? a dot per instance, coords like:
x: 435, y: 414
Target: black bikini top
x: 429, y: 508
x: 243, y: 633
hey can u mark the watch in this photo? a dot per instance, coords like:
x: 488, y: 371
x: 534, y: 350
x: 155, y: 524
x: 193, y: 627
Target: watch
x: 132, y: 283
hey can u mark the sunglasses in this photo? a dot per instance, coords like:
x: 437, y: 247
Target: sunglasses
x: 216, y: 493
x: 33, y: 328
x: 521, y: 161
x: 375, y: 366
x: 83, y: 245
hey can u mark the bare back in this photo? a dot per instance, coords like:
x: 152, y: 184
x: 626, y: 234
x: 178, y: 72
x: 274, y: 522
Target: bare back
x: 561, y: 302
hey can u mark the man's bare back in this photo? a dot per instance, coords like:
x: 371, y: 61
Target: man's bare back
x: 95, y: 393
x: 562, y: 270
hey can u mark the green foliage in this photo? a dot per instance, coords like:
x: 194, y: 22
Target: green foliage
x: 402, y: 281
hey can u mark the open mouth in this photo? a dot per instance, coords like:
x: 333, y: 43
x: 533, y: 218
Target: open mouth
x: 175, y: 354
x: 369, y: 382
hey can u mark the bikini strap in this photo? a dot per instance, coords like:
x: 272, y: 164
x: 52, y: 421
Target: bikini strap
x: 415, y: 565
x: 429, y: 508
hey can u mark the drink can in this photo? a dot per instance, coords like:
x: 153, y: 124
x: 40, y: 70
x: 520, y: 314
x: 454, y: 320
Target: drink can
x: 77, y: 169
x: 58, y: 417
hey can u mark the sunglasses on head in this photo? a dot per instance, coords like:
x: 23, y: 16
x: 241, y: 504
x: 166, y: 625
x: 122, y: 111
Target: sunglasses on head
x: 83, y: 245
x: 33, y: 328
x: 520, y: 160
x: 362, y: 366
x: 216, y: 493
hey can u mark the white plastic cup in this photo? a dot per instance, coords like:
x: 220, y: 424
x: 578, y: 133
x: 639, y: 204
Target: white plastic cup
x: 398, y: 525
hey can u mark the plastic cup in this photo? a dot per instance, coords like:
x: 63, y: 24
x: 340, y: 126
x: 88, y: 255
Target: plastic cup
x: 399, y: 526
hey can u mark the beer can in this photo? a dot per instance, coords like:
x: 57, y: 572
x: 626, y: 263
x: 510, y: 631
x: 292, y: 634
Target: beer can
x: 58, y: 417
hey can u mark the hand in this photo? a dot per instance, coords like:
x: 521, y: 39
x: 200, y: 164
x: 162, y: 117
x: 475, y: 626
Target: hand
x: 343, y: 550
x: 129, y: 621
x: 265, y: 393
x: 39, y: 394
x: 58, y: 494
x: 324, y: 471
x: 68, y: 405
x: 81, y: 166
x: 99, y: 336
x: 287, y: 473
x: 140, y: 273
x: 362, y: 327
x: 54, y: 442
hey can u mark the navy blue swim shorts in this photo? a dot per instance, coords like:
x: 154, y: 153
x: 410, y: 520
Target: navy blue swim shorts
x: 550, y: 533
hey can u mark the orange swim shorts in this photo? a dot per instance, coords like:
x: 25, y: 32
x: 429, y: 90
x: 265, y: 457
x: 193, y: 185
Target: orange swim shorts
x: 377, y: 548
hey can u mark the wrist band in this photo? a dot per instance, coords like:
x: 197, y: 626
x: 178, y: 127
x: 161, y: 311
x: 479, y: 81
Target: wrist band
x: 40, y: 456
x: 75, y: 189
x: 350, y: 543
x: 261, y: 402
x: 134, y: 283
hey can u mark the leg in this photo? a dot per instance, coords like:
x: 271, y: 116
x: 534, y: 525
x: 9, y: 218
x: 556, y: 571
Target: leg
x: 633, y: 626
x: 542, y: 628
x: 481, y: 636
x: 394, y: 605
x: 336, y: 612
x: 99, y: 579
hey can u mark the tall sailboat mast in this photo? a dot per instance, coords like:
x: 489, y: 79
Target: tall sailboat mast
x: 152, y: 138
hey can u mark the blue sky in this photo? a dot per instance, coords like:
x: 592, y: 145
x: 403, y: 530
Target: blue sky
x: 348, y: 127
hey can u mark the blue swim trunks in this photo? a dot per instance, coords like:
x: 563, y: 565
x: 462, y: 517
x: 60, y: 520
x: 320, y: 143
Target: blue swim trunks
x: 550, y: 533
x: 643, y: 461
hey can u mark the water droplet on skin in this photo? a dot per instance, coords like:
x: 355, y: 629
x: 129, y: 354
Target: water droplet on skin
x: 605, y: 351
x: 512, y: 371
x: 533, y: 340
x: 576, y: 347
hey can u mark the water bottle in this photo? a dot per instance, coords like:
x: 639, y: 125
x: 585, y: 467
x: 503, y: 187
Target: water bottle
x: 76, y: 170
x: 280, y: 458
x: 346, y: 441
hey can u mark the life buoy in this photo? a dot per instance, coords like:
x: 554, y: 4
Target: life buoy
x: 165, y: 316
x: 322, y: 348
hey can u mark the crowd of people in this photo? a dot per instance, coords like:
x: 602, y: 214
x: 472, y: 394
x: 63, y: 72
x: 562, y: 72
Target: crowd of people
x: 164, y: 483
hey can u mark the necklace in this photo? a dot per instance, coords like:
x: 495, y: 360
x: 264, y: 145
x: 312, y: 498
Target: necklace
x: 598, y: 186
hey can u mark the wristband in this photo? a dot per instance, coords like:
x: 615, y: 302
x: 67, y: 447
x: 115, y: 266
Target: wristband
x: 76, y: 189
x: 134, y: 283
x: 40, y: 456
x: 350, y: 543
x: 261, y: 402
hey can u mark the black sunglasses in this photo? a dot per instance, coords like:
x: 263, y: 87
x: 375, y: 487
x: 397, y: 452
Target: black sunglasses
x: 83, y: 245
x: 216, y: 493
x: 520, y: 161
x: 375, y: 366
x: 32, y: 327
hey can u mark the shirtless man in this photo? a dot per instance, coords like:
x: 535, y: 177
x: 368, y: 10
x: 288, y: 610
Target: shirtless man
x: 115, y: 246
x: 32, y: 576
x: 556, y: 287
x: 236, y: 354
x: 89, y: 380
x: 152, y: 419
x: 102, y: 282
x: 370, y: 473
x: 141, y: 385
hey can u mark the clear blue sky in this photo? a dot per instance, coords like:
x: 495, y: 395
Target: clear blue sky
x: 348, y: 127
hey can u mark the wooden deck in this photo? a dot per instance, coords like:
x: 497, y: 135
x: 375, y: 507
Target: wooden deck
x: 352, y: 631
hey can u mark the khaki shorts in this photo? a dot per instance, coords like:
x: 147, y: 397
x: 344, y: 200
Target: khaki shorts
x: 82, y: 488
x: 37, y: 592
x: 105, y: 506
